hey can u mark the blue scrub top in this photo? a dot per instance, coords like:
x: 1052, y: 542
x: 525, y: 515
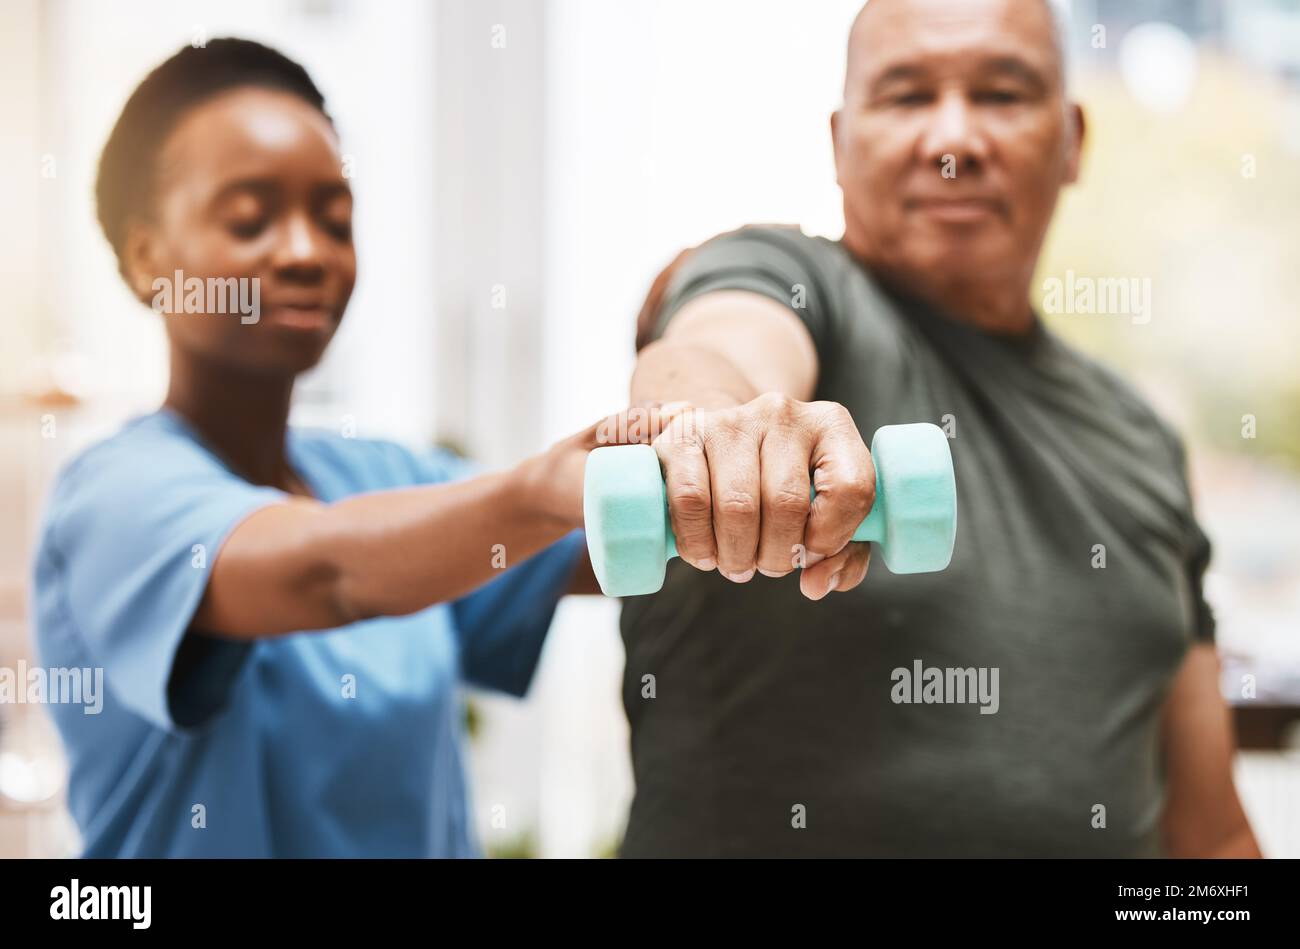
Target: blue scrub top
x: 346, y: 743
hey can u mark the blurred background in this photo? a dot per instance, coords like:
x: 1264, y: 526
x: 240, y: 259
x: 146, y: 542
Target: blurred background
x: 523, y: 170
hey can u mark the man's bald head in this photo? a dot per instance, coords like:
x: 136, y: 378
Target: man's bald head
x: 1058, y: 22
x: 952, y: 145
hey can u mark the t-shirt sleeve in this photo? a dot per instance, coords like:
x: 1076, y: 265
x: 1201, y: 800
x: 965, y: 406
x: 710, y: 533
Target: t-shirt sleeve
x: 1198, y: 560
x: 780, y: 263
x: 502, y: 626
x: 1196, y: 547
x: 130, y: 536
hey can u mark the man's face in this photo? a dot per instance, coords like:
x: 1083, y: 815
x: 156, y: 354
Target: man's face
x: 954, y: 138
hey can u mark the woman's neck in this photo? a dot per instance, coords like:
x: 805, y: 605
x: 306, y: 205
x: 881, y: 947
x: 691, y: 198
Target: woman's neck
x: 243, y: 417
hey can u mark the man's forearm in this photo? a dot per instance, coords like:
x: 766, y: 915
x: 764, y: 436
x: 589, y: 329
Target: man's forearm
x: 671, y: 370
x: 724, y: 349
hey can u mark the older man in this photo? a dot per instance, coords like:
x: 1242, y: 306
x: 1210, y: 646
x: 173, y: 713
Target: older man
x: 808, y: 714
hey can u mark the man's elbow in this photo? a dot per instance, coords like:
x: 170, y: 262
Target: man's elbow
x: 1232, y: 839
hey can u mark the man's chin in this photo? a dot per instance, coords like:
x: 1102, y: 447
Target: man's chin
x: 968, y: 252
x: 937, y: 268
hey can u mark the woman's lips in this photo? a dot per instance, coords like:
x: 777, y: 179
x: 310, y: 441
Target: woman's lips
x: 300, y: 316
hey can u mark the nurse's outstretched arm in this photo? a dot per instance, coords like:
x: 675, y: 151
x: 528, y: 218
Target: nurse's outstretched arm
x: 305, y: 565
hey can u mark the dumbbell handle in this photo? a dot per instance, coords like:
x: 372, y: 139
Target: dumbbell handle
x: 913, y: 517
x: 871, y: 528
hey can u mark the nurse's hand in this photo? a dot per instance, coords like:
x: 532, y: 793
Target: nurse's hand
x: 552, y: 481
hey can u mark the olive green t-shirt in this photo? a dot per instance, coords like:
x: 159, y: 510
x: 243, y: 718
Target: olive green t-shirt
x: 1007, y: 706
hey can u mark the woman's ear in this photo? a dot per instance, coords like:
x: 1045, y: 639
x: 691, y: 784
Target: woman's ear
x: 1078, y: 128
x: 139, y: 264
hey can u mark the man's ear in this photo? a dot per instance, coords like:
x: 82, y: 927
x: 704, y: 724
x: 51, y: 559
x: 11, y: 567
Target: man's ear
x: 1077, y: 127
x: 139, y: 260
x: 835, y: 142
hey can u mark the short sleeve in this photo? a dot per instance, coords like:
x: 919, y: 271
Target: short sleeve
x: 777, y: 262
x: 131, y: 532
x: 1197, y: 548
x: 441, y: 465
x: 1198, y: 561
x: 502, y: 626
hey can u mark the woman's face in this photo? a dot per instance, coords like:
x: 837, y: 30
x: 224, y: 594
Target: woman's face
x: 250, y: 185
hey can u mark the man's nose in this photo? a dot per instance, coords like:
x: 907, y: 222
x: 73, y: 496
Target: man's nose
x: 952, y: 140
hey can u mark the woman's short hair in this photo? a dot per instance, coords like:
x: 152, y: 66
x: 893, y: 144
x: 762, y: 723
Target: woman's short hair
x: 128, y: 166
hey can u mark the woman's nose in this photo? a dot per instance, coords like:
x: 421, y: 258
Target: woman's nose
x: 302, y: 245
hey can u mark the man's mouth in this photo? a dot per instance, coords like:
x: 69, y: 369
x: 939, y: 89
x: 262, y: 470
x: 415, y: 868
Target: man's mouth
x: 953, y: 210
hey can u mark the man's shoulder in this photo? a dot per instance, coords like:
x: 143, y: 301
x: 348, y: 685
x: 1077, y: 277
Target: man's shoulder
x: 814, y: 276
x: 790, y: 238
x: 765, y: 258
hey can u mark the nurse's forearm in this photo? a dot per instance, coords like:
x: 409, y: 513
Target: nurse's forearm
x: 304, y: 565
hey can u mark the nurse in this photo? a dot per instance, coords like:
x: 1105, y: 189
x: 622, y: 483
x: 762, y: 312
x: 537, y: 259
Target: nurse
x: 282, y: 615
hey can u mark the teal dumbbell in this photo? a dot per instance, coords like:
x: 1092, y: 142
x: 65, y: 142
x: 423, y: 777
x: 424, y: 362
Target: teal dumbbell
x: 913, y: 519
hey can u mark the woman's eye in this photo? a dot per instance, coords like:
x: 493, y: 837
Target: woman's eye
x: 246, y: 229
x: 340, y: 230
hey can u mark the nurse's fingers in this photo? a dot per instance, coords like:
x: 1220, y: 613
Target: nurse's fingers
x: 638, y: 425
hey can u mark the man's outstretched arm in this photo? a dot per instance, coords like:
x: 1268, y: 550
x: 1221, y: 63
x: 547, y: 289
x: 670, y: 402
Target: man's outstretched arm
x: 727, y: 348
x: 738, y: 468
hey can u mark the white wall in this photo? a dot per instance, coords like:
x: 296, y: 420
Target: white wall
x: 668, y: 122
x: 382, y: 102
